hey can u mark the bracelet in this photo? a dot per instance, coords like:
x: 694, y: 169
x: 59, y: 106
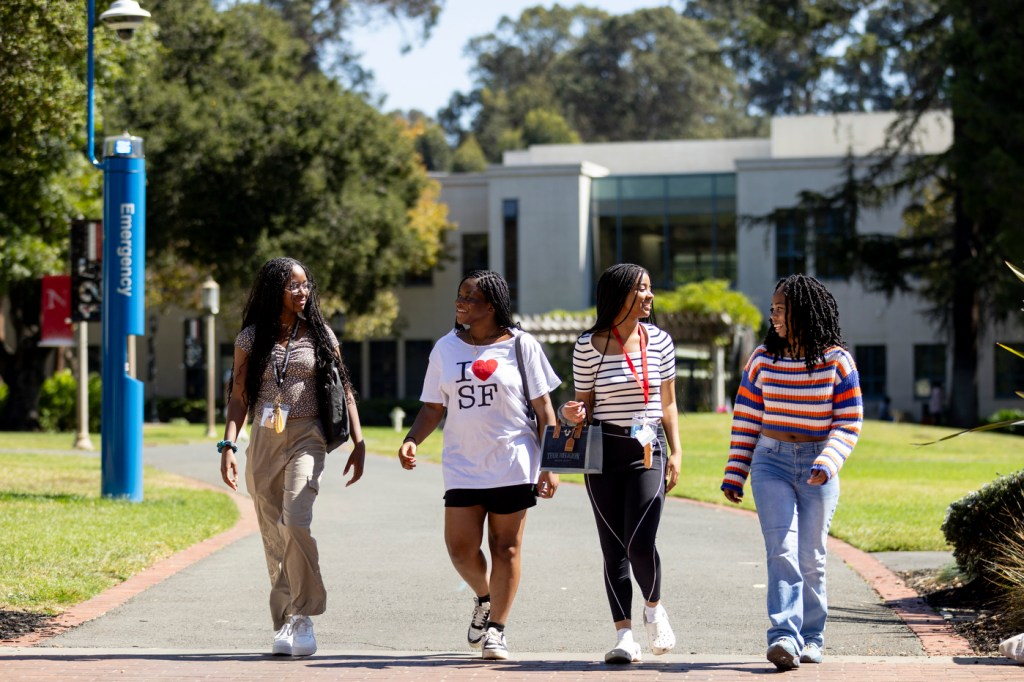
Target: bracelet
x: 226, y: 444
x: 409, y: 439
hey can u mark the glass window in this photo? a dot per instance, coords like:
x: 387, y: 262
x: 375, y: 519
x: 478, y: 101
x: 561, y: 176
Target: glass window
x: 1009, y: 371
x: 929, y: 368
x: 607, y: 244
x: 790, y: 243
x: 383, y: 369
x: 510, y: 215
x: 643, y: 243
x: 692, y: 249
x: 832, y: 245
x: 417, y: 356
x: 474, y: 253
x: 871, y: 367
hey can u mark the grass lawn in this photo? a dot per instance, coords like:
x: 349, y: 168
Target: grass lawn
x: 894, y: 493
x: 62, y: 543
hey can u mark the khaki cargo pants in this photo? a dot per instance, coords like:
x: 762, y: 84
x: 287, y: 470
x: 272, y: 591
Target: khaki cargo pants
x: 282, y: 475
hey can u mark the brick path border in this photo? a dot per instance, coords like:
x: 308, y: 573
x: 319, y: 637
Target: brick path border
x: 119, y: 594
x: 937, y: 636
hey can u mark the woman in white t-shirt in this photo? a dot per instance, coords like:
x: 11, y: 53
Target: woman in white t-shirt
x: 491, y: 453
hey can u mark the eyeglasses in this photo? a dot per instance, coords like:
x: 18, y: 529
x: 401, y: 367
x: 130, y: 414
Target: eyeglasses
x: 471, y: 300
x: 296, y: 287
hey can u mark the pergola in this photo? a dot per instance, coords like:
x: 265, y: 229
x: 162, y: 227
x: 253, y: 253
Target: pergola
x: 712, y: 331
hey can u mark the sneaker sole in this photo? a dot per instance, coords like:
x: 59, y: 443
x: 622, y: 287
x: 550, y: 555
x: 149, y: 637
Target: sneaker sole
x: 782, y: 659
x: 281, y: 650
x: 620, y: 657
x: 298, y: 651
x: 491, y: 655
x: 475, y: 643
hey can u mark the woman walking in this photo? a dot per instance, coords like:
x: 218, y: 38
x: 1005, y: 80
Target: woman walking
x: 797, y: 417
x: 624, y: 371
x: 491, y: 452
x: 283, y: 340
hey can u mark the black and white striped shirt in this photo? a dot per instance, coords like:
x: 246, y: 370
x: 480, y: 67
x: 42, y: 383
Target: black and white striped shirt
x: 618, y: 396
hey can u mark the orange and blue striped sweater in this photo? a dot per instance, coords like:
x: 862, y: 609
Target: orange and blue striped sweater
x: 782, y: 395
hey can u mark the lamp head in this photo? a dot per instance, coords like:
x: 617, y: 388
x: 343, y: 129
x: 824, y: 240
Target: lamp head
x: 124, y: 17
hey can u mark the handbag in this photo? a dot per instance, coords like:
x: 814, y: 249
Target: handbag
x: 333, y: 403
x: 573, y: 449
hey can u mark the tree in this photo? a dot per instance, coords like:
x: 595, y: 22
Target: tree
x: 469, y: 158
x: 252, y: 157
x: 651, y: 74
x: 45, y: 179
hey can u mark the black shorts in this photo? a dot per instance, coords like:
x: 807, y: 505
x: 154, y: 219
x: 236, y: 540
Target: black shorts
x: 508, y: 499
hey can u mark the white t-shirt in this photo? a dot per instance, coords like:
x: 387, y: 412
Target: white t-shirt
x: 489, y: 441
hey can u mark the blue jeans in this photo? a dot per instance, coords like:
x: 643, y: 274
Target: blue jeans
x: 795, y: 517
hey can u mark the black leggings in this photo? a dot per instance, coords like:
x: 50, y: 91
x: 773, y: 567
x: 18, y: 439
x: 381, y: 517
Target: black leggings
x: 627, y: 500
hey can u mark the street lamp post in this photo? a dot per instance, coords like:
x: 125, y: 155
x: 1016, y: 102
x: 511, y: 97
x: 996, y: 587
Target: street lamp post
x: 211, y: 303
x: 124, y: 266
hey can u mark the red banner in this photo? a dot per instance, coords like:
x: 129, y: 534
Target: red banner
x: 56, y: 311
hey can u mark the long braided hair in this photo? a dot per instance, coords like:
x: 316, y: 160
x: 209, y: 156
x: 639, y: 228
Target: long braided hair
x: 263, y: 309
x: 495, y: 289
x: 812, y: 321
x: 614, y: 288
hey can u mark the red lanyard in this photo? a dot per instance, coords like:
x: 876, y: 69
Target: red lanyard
x: 645, y: 384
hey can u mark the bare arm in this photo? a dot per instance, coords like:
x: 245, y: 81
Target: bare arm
x: 237, y: 412
x: 547, y: 483
x: 426, y: 421
x: 358, y: 457
x: 670, y: 420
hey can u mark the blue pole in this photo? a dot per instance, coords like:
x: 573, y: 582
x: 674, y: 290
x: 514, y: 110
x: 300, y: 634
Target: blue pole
x: 124, y: 268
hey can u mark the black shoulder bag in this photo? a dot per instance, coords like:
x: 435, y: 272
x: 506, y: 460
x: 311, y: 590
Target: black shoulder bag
x: 333, y: 402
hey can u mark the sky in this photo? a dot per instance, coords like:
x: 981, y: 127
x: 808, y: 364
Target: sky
x: 425, y: 77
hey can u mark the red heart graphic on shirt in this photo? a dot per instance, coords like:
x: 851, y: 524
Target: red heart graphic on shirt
x: 483, y: 369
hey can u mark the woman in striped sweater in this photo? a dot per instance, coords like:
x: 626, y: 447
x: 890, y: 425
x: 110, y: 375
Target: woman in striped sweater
x: 624, y: 368
x: 797, y: 417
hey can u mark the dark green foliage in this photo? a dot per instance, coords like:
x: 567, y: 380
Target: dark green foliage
x: 58, y: 403
x: 975, y: 523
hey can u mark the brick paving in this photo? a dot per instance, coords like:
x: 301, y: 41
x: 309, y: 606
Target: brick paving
x: 41, y: 665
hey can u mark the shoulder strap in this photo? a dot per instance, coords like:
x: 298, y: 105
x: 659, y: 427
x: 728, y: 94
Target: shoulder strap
x: 530, y: 412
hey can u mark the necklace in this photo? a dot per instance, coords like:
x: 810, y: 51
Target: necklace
x: 468, y: 338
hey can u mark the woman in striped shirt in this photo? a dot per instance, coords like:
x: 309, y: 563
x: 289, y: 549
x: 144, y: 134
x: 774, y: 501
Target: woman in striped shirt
x: 624, y: 366
x: 797, y: 417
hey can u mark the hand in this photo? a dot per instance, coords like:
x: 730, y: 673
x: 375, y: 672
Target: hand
x: 229, y: 467
x: 573, y: 411
x: 407, y: 455
x: 818, y: 477
x: 547, y: 484
x: 355, y: 463
x: 672, y: 470
x: 733, y: 496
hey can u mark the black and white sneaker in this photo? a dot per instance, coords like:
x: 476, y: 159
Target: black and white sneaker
x: 494, y: 646
x: 478, y: 624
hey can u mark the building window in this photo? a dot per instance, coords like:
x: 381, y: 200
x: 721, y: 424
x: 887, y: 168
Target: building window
x: 820, y: 246
x: 871, y: 367
x: 510, y: 220
x: 417, y: 355
x: 474, y: 253
x: 681, y: 228
x: 384, y: 369
x: 1009, y: 371
x: 929, y: 368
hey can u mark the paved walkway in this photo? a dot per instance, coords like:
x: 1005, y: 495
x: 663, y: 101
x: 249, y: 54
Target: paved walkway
x: 397, y: 609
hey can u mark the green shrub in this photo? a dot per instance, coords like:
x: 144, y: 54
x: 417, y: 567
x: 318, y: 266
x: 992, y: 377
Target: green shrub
x: 192, y: 410
x: 1008, y: 568
x: 58, y: 400
x: 975, y: 523
x: 1008, y: 416
x: 3, y: 395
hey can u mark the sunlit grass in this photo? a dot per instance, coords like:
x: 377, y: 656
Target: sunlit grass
x: 62, y: 543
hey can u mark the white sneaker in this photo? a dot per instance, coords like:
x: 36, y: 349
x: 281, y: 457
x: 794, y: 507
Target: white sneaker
x: 623, y: 653
x: 478, y: 624
x: 283, y: 640
x: 303, y: 641
x: 659, y: 632
x: 494, y: 646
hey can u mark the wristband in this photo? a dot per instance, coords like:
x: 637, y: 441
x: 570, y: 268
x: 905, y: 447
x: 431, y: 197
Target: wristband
x: 409, y: 439
x: 226, y: 444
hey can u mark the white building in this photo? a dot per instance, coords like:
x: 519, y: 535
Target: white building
x: 552, y: 217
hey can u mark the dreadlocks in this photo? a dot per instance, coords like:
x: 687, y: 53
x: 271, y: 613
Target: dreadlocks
x: 263, y: 309
x: 614, y: 287
x: 812, y: 321
x: 495, y: 289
